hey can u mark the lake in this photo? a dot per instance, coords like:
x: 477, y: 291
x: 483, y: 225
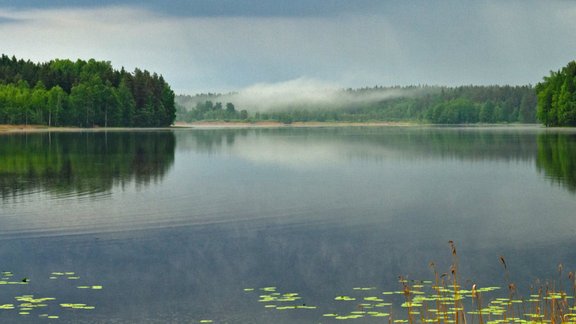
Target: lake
x: 196, y: 225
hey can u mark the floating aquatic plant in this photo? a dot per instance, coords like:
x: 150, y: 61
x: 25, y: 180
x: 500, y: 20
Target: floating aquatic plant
x: 28, y: 305
x: 280, y: 301
x: 445, y: 300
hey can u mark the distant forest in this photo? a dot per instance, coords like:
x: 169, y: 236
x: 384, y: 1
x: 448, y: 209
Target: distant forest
x: 82, y: 93
x: 428, y: 104
x: 93, y: 94
x: 200, y: 107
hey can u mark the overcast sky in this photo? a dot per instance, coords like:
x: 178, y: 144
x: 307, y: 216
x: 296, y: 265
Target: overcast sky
x: 228, y: 45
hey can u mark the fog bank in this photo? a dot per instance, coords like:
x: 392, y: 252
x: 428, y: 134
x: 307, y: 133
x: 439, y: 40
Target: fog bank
x: 303, y: 93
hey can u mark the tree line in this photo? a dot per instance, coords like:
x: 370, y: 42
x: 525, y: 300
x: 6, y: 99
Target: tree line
x: 429, y: 104
x: 207, y: 110
x: 516, y: 104
x: 82, y: 93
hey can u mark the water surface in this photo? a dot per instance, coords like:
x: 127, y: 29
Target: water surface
x: 175, y: 224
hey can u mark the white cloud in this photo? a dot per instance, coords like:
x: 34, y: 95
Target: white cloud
x: 124, y: 35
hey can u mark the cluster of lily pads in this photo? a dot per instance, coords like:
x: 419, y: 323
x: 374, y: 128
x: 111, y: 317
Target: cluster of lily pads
x: 26, y: 305
x: 433, y: 302
x: 279, y: 301
x: 29, y: 305
x: 428, y: 302
x: 445, y: 301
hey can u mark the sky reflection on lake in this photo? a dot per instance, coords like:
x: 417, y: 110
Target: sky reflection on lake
x: 315, y: 211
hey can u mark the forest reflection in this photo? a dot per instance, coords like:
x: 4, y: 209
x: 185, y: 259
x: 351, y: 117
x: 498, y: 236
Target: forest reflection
x: 375, y: 142
x: 94, y: 162
x: 82, y: 163
x: 553, y: 152
x: 557, y: 158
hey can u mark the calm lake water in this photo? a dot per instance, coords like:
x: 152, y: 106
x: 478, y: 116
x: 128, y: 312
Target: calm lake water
x: 173, y: 226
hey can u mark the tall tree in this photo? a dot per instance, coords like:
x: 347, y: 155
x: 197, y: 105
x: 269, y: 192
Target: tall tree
x: 557, y: 97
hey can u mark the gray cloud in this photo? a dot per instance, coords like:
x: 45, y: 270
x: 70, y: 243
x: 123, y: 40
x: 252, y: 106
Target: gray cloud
x: 7, y: 20
x: 219, y: 8
x: 422, y: 42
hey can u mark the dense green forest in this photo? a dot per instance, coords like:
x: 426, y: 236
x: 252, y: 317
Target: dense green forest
x: 460, y: 105
x: 82, y: 93
x: 93, y: 94
x: 557, y: 97
x: 429, y: 104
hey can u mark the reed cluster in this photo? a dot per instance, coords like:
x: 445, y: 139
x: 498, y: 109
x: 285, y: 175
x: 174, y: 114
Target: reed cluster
x: 442, y: 300
x: 448, y: 302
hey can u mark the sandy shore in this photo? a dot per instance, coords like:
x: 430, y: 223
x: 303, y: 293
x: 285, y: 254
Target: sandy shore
x: 41, y: 128
x: 21, y: 128
x: 271, y: 124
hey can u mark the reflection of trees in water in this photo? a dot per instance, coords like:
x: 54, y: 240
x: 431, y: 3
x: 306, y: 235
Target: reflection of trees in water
x: 467, y: 144
x: 82, y: 162
x: 557, y: 158
x: 376, y: 142
x: 209, y: 140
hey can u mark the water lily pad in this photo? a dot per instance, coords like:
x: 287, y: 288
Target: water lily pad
x: 345, y: 298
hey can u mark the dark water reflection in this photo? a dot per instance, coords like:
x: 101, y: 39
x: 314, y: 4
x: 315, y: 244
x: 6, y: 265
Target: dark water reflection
x: 82, y: 163
x: 313, y: 211
x: 557, y: 158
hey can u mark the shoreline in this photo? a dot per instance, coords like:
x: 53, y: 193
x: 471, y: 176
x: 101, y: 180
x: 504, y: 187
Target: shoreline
x: 274, y: 124
x: 10, y: 129
x: 196, y: 125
